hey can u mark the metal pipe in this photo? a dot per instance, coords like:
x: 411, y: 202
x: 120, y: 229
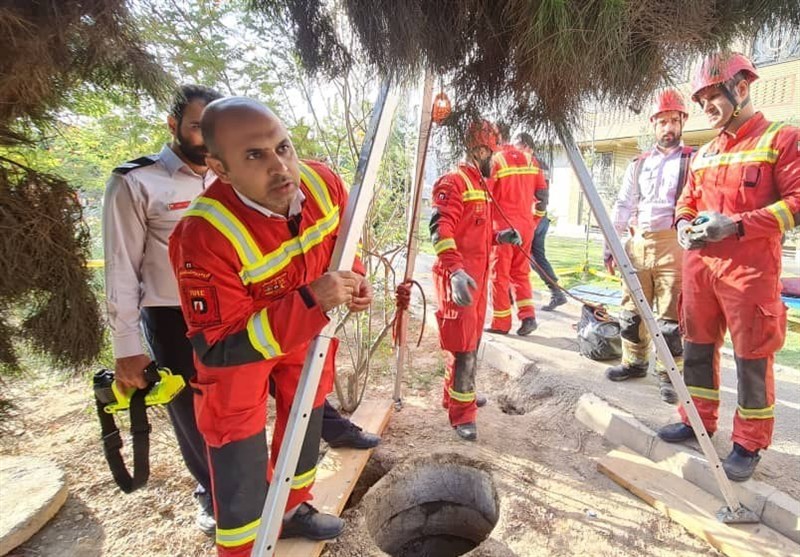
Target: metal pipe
x: 401, y: 342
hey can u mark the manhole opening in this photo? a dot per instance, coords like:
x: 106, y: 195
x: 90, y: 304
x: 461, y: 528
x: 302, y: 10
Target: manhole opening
x: 442, y: 506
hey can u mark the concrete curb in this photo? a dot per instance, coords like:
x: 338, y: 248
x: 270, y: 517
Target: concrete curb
x: 501, y: 357
x: 775, y: 508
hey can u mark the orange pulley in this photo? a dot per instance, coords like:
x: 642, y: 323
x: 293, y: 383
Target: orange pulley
x: 441, y: 108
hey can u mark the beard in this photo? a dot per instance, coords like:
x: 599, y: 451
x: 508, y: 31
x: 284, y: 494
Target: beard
x: 195, y: 154
x: 668, y: 141
x: 485, y: 166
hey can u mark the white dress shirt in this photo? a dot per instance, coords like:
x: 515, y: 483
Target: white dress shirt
x: 140, y: 210
x: 652, y: 207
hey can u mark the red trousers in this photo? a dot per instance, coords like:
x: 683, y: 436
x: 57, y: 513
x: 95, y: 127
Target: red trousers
x: 460, y: 330
x: 734, y: 285
x: 509, y: 272
x: 231, y: 410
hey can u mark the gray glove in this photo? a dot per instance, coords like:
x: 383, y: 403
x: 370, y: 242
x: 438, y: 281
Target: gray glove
x: 460, y: 284
x: 712, y: 227
x: 685, y: 238
x: 509, y: 236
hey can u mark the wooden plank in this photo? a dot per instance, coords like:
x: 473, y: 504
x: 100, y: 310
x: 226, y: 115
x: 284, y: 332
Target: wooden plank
x: 337, y: 475
x: 692, y: 508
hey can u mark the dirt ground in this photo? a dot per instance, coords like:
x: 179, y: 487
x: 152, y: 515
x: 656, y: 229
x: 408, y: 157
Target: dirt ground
x: 552, y: 499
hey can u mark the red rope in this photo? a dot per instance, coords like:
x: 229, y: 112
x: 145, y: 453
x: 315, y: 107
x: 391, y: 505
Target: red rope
x: 402, y: 301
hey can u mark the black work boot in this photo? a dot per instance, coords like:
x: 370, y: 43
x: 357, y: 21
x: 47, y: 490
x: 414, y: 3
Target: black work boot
x: 527, y: 326
x: 468, y: 431
x: 355, y: 438
x: 624, y: 372
x: 480, y: 400
x: 668, y: 394
x: 675, y: 433
x: 740, y: 464
x: 205, y: 512
x: 557, y: 298
x: 307, y: 522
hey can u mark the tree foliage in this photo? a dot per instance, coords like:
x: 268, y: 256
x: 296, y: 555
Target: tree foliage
x: 527, y: 61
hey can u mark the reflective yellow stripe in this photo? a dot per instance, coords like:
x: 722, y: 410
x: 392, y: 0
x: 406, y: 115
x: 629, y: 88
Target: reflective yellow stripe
x: 228, y: 225
x: 461, y: 397
x: 500, y: 159
x: 517, y: 171
x: 467, y: 181
x: 757, y: 413
x: 234, y: 537
x: 305, y: 479
x: 783, y: 215
x: 763, y: 152
x: 700, y: 392
x: 317, y: 187
x: 260, y: 334
x: 540, y: 213
x: 278, y: 259
x: 444, y: 245
x: 502, y: 313
x: 686, y: 212
x: 524, y: 303
x: 474, y: 195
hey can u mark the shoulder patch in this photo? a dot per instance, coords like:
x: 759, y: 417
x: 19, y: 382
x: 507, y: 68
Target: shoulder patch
x: 141, y: 162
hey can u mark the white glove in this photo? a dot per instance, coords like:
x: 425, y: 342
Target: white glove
x: 712, y: 227
x: 509, y: 236
x: 460, y: 284
x: 685, y: 238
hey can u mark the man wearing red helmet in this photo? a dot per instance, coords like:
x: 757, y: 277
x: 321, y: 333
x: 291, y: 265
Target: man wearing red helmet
x: 743, y: 193
x: 646, y: 207
x: 461, y: 232
x: 517, y: 182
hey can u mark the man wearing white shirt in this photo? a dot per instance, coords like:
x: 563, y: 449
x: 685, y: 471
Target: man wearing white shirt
x: 646, y: 208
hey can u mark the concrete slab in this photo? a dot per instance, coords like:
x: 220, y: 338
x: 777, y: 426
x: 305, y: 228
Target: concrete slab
x: 32, y: 491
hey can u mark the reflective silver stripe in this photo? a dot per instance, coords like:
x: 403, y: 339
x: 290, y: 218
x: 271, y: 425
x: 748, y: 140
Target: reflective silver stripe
x: 260, y: 334
x: 234, y: 537
x: 317, y: 187
x: 227, y: 224
x: 276, y: 260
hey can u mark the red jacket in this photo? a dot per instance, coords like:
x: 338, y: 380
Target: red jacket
x: 461, y: 224
x: 243, y: 277
x: 517, y: 178
x: 752, y: 176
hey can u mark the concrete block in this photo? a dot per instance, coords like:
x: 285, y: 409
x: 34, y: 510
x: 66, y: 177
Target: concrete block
x: 776, y: 509
x: 504, y: 358
x: 782, y: 513
x: 595, y: 413
x: 630, y: 432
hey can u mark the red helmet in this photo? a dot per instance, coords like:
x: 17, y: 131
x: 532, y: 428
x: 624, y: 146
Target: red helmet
x: 666, y: 100
x: 718, y: 68
x: 482, y: 134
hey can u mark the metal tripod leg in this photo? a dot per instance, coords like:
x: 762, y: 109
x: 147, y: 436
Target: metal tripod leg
x: 734, y: 512
x: 401, y: 342
x: 342, y: 259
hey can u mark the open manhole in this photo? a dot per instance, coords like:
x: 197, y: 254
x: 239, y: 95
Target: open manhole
x: 444, y: 505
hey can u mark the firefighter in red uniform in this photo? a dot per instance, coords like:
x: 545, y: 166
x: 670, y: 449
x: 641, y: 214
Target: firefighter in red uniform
x: 743, y: 194
x: 461, y: 232
x: 518, y: 183
x: 251, y: 255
